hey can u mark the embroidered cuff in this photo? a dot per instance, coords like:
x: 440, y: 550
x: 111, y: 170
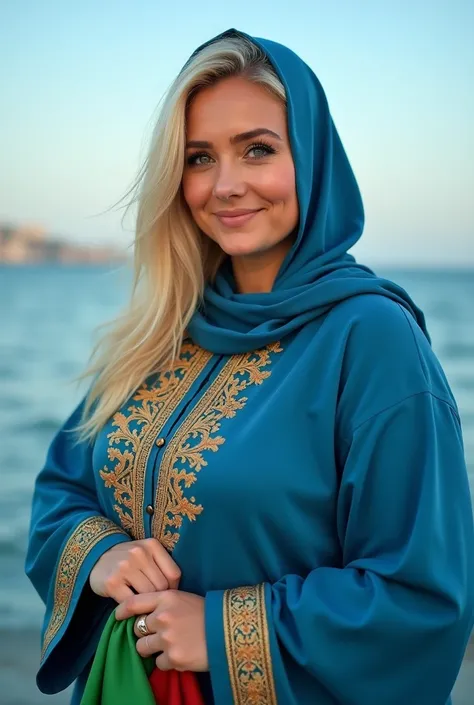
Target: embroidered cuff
x: 78, y: 556
x: 239, y: 646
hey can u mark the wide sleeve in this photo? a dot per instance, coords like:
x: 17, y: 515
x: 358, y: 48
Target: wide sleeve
x: 68, y: 534
x: 391, y: 624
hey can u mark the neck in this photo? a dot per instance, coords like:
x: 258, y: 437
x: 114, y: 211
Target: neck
x: 256, y: 273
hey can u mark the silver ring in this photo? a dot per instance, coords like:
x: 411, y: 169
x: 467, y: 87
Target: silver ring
x: 141, y: 625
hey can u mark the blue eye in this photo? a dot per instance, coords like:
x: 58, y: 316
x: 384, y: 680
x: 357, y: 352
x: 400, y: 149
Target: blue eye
x: 261, y: 150
x: 199, y: 159
x: 254, y: 152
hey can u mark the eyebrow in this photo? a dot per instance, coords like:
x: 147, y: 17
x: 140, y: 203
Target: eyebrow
x: 242, y: 137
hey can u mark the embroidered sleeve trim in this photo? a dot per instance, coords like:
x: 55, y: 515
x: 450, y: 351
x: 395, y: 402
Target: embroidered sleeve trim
x: 248, y: 646
x: 78, y: 546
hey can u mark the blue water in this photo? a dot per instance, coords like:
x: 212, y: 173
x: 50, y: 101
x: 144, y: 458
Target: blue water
x: 48, y: 315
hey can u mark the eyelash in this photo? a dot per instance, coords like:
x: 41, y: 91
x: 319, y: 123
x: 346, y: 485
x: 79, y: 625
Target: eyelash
x: 192, y: 159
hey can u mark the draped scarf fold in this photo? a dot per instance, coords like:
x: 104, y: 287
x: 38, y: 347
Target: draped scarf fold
x: 318, y: 272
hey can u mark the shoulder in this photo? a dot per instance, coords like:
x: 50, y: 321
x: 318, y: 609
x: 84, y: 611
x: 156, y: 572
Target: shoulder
x: 377, y: 328
x: 374, y: 314
x: 386, y: 356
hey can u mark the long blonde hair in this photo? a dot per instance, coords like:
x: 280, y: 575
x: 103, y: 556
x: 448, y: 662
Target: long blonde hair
x: 172, y: 260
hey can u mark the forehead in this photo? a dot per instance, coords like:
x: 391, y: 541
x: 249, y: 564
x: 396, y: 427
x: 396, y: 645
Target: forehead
x: 234, y: 105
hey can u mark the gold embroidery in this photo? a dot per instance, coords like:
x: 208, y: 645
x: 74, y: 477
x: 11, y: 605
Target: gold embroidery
x: 248, y: 646
x: 78, y: 546
x: 184, y: 456
x: 137, y: 430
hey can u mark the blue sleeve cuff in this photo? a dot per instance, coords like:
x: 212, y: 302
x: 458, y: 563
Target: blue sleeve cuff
x: 239, y: 645
x: 76, y: 615
x: 216, y: 648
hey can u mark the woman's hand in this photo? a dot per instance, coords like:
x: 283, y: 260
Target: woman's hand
x: 142, y: 565
x: 175, y: 621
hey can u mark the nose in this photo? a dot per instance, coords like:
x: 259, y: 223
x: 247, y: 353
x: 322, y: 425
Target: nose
x: 228, y: 182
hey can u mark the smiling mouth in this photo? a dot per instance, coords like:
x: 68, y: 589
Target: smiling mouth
x: 235, y: 219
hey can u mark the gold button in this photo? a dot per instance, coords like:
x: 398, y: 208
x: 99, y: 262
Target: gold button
x: 160, y: 442
x: 149, y: 510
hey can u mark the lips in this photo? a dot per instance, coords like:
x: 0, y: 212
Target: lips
x: 236, y: 218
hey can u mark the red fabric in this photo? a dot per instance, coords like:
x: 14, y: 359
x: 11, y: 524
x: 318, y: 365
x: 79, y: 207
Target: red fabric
x: 175, y: 688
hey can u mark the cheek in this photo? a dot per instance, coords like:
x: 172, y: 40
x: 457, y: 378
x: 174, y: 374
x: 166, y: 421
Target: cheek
x: 195, y: 191
x: 279, y: 186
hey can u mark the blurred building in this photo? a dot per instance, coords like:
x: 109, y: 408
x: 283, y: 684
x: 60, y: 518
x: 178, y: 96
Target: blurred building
x: 33, y: 245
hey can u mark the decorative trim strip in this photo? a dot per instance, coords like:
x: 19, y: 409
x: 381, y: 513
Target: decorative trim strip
x: 78, y: 546
x: 198, y: 434
x: 247, y: 645
x: 131, y: 444
x: 199, y: 362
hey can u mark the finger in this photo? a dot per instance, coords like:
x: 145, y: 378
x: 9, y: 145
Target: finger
x: 120, y: 592
x: 155, y: 576
x: 149, y: 645
x: 166, y: 564
x: 162, y: 662
x: 139, y: 604
x: 145, y: 555
x: 140, y: 583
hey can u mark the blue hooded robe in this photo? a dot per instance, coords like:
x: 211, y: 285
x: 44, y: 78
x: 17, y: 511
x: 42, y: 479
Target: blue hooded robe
x: 302, y: 461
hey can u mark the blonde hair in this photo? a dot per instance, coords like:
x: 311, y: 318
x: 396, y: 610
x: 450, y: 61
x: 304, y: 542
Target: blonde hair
x: 172, y: 260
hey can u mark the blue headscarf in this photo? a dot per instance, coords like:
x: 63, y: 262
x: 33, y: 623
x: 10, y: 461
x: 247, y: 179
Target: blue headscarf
x: 317, y: 273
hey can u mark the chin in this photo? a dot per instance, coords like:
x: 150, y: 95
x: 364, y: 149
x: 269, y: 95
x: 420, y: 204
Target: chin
x: 240, y: 249
x: 240, y: 244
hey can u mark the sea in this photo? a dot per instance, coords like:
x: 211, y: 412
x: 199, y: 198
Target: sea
x: 48, y: 321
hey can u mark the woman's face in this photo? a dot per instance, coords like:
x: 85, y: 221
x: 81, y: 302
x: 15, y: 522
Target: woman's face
x: 239, y: 176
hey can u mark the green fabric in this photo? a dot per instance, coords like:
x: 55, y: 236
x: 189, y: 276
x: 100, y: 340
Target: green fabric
x: 119, y: 675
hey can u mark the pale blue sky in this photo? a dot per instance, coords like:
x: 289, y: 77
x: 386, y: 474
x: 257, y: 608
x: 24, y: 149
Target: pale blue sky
x: 80, y: 81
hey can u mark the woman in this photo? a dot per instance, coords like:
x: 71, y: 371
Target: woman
x: 269, y: 474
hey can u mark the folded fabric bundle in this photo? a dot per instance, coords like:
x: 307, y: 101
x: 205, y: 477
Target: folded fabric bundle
x: 120, y: 676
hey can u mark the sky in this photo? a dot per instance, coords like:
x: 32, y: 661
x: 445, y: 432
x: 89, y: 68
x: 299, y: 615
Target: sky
x: 81, y: 80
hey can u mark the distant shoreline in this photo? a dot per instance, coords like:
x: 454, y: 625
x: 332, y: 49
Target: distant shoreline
x: 66, y: 265
x: 31, y: 245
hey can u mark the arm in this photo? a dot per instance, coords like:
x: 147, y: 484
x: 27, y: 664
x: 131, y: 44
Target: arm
x: 391, y: 625
x: 68, y: 534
